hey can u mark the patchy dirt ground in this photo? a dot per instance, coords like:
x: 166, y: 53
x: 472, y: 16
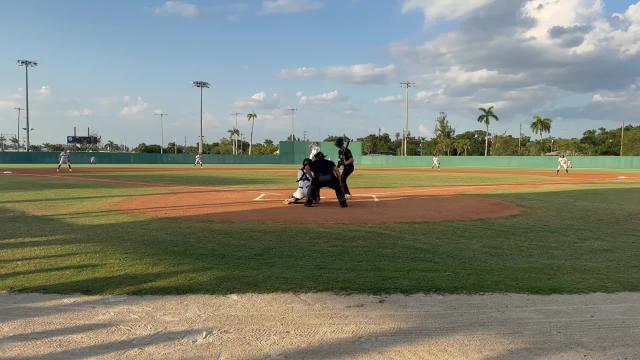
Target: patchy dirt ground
x: 320, y: 326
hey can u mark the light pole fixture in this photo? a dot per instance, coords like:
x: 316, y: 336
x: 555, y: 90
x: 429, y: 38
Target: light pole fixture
x: 406, y: 85
x: 162, y: 115
x: 27, y: 64
x: 18, y: 135
x: 201, y: 85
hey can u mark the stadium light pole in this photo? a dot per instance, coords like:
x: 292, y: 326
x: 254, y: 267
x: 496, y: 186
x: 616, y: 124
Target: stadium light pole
x: 27, y: 64
x: 162, y: 115
x: 406, y: 85
x: 18, y: 135
x: 292, y: 111
x: 201, y: 85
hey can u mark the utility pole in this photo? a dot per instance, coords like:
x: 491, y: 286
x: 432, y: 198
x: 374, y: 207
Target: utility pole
x: 304, y: 136
x: 235, y: 136
x: 622, y: 138
x: 175, y: 144
x: 18, y: 136
x: 27, y: 64
x: 519, y: 139
x: 201, y: 85
x: 292, y: 111
x: 406, y: 85
x: 162, y: 115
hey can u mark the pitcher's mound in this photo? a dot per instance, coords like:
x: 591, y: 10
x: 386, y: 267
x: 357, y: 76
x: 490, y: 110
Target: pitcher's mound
x: 266, y: 206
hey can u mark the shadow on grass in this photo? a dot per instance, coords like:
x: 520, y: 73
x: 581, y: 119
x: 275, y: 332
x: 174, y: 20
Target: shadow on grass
x: 567, y: 242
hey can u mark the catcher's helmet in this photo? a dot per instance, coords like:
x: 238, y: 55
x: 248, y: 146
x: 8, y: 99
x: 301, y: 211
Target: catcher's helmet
x: 339, y: 142
x: 306, y: 162
x: 319, y: 155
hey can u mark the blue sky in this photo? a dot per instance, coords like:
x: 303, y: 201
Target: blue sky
x: 111, y: 65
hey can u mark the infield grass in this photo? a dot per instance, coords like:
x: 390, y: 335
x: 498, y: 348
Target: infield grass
x: 61, y: 236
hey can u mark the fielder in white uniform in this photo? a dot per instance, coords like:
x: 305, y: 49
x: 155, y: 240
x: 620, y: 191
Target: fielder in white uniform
x: 563, y: 163
x: 198, y: 160
x: 304, y: 183
x: 315, y: 148
x: 92, y: 161
x: 436, y: 163
x: 64, y: 159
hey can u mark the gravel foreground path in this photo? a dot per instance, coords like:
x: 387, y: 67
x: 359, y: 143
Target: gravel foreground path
x: 320, y: 326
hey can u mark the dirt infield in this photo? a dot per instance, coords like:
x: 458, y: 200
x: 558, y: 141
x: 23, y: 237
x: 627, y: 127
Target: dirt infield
x: 320, y: 326
x: 371, y: 206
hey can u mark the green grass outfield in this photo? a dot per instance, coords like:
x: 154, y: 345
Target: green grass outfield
x: 59, y: 235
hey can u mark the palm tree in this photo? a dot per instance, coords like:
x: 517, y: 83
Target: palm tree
x: 463, y: 145
x: 14, y: 140
x: 541, y: 125
x: 251, y: 117
x: 485, y: 117
x: 233, y: 135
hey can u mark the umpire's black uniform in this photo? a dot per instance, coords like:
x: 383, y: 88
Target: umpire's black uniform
x: 345, y: 155
x: 324, y: 176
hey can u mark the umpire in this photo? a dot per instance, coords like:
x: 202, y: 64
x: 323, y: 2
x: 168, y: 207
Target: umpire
x: 346, y: 161
x: 324, y: 173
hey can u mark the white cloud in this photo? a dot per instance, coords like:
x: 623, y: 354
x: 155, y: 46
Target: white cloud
x: 444, y: 9
x: 389, y: 99
x: 134, y: 108
x: 536, y: 55
x: 7, y: 104
x: 354, y: 74
x: 290, y: 6
x: 259, y: 101
x: 79, y: 112
x: 325, y: 98
x: 179, y: 8
x: 44, y: 91
x: 423, y: 130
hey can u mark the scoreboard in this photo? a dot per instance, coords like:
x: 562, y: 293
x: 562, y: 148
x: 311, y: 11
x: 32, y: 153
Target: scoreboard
x: 82, y: 140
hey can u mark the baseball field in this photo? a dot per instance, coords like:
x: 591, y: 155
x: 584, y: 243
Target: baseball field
x: 224, y: 229
x: 175, y: 262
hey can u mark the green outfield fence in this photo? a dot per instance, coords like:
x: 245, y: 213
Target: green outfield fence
x: 524, y: 162
x: 131, y: 158
x: 295, y: 152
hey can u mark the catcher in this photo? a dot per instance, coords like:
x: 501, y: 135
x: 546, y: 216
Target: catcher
x: 304, y: 183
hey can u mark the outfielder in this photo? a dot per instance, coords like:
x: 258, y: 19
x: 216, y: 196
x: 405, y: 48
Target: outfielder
x: 64, y: 159
x: 563, y: 163
x: 92, y: 161
x: 304, y: 183
x: 198, y: 160
x: 436, y: 162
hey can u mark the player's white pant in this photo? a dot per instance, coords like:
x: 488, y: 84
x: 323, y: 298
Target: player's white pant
x: 435, y: 165
x: 64, y: 162
x: 565, y: 167
x: 198, y: 162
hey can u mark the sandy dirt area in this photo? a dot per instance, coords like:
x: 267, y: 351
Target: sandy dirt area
x: 369, y: 206
x: 320, y: 326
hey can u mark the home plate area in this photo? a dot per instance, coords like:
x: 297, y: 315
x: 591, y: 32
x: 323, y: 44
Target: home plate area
x: 368, y: 206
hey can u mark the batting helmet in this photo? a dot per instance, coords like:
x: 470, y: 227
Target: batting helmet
x: 339, y: 142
